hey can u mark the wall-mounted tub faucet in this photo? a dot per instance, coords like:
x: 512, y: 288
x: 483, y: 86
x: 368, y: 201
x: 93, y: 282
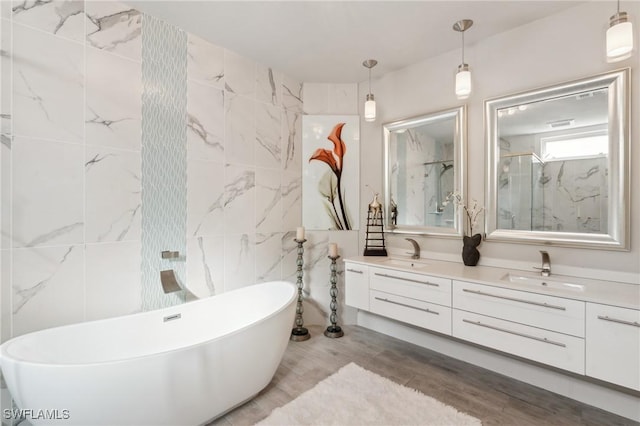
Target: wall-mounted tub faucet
x: 416, y: 248
x: 545, y: 270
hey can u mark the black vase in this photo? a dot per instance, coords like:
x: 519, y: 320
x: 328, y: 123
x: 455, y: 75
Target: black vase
x: 470, y: 254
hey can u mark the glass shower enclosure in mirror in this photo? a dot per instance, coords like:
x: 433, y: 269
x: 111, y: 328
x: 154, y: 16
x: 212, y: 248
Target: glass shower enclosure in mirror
x: 558, y: 164
x: 424, y: 163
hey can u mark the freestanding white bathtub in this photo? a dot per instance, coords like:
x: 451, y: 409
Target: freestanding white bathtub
x: 183, y: 365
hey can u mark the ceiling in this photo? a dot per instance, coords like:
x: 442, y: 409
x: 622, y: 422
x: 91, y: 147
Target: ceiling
x: 327, y: 41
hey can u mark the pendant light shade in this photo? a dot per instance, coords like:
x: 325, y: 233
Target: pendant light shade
x: 463, y: 81
x: 463, y: 76
x: 370, y: 108
x: 370, y: 104
x: 619, y: 37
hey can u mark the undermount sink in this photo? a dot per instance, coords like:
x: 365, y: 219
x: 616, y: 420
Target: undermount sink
x: 541, y: 282
x: 404, y: 263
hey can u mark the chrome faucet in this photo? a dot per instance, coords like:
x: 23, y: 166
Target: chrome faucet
x: 416, y: 248
x: 545, y: 270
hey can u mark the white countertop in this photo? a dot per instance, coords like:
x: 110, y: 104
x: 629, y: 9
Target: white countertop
x: 599, y: 291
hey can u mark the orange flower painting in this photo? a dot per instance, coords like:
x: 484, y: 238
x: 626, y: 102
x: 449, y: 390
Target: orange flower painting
x: 330, y: 183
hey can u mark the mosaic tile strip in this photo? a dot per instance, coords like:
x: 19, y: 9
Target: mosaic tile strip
x: 164, y: 157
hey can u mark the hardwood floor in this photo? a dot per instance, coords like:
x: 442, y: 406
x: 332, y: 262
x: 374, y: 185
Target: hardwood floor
x: 492, y: 398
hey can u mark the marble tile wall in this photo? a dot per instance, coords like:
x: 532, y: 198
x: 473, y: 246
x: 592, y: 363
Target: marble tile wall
x: 71, y: 156
x: 70, y: 151
x: 244, y: 167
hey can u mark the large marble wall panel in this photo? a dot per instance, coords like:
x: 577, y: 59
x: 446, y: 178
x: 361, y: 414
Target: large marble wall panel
x: 291, y: 94
x: 291, y: 200
x: 268, y: 200
x: 240, y: 200
x: 48, y: 192
x: 268, y: 85
x: 239, y: 260
x: 5, y: 191
x: 205, y: 198
x: 62, y: 18
x: 205, y: 122
x: 205, y: 265
x: 206, y: 62
x: 291, y: 152
x: 6, y: 314
x: 114, y: 27
x: 113, y: 100
x: 48, y: 86
x: 268, y: 257
x: 240, y: 74
x: 5, y: 132
x: 48, y: 287
x: 113, y: 194
x: 268, y: 135
x: 240, y: 129
x: 113, y: 284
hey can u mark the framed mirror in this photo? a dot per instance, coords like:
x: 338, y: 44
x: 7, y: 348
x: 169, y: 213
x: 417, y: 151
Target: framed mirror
x: 424, y: 162
x: 558, y: 164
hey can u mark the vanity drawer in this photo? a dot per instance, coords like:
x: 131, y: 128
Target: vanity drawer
x: 417, y: 312
x: 613, y: 345
x: 415, y: 286
x: 544, y: 346
x: 356, y: 284
x: 537, y: 310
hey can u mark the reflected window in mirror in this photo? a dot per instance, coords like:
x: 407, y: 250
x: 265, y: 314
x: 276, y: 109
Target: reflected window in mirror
x: 556, y: 167
x: 423, y: 164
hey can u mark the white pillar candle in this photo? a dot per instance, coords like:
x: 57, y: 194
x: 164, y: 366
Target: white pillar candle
x: 300, y: 233
x: 333, y: 250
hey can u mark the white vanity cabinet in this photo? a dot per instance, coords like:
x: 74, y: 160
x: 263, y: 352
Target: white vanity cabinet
x: 565, y: 329
x: 356, y: 285
x: 613, y: 345
x: 417, y: 299
x: 539, y: 327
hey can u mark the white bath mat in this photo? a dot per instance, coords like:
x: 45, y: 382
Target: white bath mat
x: 355, y: 396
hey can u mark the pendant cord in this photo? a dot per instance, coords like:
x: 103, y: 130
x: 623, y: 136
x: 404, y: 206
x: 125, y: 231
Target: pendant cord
x: 369, y: 80
x: 463, y: 47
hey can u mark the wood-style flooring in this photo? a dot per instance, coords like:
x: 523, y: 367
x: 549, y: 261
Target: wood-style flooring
x: 490, y: 397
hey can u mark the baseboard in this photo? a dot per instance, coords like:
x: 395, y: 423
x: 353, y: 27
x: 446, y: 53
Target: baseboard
x: 569, y: 385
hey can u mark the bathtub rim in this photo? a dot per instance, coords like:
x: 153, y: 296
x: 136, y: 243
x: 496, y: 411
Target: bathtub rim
x: 5, y: 345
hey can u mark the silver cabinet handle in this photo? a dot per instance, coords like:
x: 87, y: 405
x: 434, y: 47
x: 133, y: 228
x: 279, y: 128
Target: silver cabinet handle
x: 619, y: 321
x: 515, y: 299
x: 407, y: 279
x: 407, y: 306
x: 504, y: 330
x: 355, y: 270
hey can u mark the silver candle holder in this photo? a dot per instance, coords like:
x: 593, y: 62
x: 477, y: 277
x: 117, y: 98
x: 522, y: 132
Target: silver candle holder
x: 299, y: 333
x: 334, y: 330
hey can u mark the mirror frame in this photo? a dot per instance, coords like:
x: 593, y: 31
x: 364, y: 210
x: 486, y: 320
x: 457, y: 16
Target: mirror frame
x: 459, y: 167
x: 617, y: 236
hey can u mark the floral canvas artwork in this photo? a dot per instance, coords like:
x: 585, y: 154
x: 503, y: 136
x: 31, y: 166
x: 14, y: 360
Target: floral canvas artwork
x: 331, y: 172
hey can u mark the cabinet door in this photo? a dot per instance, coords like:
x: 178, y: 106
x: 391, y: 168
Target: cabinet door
x: 548, y: 347
x: 417, y: 312
x: 613, y: 345
x: 356, y: 285
x: 415, y: 286
x: 537, y: 310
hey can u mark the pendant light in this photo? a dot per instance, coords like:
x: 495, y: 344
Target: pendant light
x: 619, y: 37
x: 370, y: 104
x: 463, y: 76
